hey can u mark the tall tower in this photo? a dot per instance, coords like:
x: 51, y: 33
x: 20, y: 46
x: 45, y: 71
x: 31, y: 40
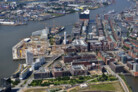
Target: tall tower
x: 65, y: 39
x: 29, y: 58
x: 47, y: 30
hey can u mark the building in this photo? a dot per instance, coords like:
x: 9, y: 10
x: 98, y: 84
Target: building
x: 89, y: 64
x: 84, y: 15
x: 130, y: 65
x: 76, y: 30
x: 42, y: 73
x: 36, y: 65
x: 95, y: 45
x: 106, y: 57
x: 5, y: 85
x: 133, y: 54
x: 60, y: 72
x: 24, y: 73
x: 71, y: 57
x: 65, y: 38
x: 136, y: 60
x: 44, y: 34
x: 29, y: 58
x: 116, y: 67
x: 120, y: 54
x: 76, y: 70
x: 135, y: 67
x: 38, y: 62
x: 132, y: 47
x: 70, y: 50
x: 124, y: 59
x: 80, y: 45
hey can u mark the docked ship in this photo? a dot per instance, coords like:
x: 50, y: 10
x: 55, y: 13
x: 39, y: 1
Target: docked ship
x: 84, y: 15
x: 111, y: 12
x: 57, y: 30
x: 12, y: 23
x: 7, y: 23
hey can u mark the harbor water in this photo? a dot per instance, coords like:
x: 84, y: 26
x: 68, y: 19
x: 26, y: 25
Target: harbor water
x: 11, y: 35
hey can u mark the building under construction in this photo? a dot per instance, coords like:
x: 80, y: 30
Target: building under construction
x: 37, y: 44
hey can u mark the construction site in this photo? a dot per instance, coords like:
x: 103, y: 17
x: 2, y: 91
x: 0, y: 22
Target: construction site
x: 39, y: 44
x: 36, y: 44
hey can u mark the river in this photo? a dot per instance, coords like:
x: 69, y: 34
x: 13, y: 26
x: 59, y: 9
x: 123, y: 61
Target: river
x: 11, y: 35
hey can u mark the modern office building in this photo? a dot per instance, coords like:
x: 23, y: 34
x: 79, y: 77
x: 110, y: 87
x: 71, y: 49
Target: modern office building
x: 124, y: 59
x: 29, y: 58
x: 38, y: 62
x: 24, y: 73
x: 42, y: 73
x: 116, y: 67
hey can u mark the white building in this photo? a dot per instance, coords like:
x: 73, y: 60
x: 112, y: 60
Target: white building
x: 44, y: 34
x: 65, y: 38
x: 78, y: 42
x: 38, y: 63
x: 29, y: 58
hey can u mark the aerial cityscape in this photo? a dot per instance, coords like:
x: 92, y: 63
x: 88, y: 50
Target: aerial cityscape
x: 69, y: 45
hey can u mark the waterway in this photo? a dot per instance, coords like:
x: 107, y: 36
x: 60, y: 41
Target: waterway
x: 10, y: 35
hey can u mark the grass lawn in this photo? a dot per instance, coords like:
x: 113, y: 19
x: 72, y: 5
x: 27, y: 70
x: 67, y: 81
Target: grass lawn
x: 36, y: 90
x: 102, y: 87
x: 41, y: 89
x: 115, y: 87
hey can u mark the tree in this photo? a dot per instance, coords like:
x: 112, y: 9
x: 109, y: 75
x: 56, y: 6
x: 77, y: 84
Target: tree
x: 81, y: 78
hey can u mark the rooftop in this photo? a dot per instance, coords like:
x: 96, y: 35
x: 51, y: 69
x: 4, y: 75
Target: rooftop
x: 78, y: 67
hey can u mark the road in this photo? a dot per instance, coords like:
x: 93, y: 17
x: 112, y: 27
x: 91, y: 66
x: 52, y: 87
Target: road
x: 53, y: 59
x: 120, y: 79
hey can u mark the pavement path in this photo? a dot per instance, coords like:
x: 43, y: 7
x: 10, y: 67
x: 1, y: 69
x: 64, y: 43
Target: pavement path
x: 120, y: 79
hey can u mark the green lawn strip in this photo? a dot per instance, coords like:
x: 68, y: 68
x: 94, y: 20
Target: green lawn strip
x: 73, y: 80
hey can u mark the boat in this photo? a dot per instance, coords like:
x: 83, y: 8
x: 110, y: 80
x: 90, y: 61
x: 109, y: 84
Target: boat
x: 57, y: 30
x: 112, y: 11
x: 11, y: 23
x: 7, y: 23
x: 62, y: 28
